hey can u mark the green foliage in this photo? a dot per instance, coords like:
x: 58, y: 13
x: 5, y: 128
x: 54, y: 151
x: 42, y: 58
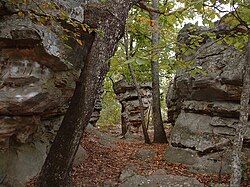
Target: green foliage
x: 47, y: 13
x: 140, y: 28
x: 111, y: 109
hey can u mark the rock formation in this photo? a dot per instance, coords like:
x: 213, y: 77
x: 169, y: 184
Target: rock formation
x: 204, y: 108
x: 159, y: 177
x: 97, y: 109
x: 38, y: 71
x: 127, y: 96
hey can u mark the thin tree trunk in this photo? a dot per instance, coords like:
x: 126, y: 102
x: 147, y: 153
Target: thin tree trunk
x: 137, y: 88
x: 159, y: 132
x: 124, y: 124
x: 148, y: 116
x: 111, y: 18
x: 242, y: 125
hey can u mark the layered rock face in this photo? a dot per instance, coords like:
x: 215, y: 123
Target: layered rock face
x: 97, y: 109
x: 127, y: 96
x: 204, y: 109
x: 38, y: 71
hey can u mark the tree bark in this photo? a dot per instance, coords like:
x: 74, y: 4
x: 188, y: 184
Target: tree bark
x: 124, y: 124
x: 159, y: 132
x: 111, y: 18
x: 242, y: 125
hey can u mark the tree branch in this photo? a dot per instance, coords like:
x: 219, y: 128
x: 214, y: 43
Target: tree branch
x: 143, y: 5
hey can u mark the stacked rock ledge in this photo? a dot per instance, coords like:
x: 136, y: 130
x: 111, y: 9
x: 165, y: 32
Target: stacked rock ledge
x: 128, y: 97
x: 204, y: 108
x: 38, y: 74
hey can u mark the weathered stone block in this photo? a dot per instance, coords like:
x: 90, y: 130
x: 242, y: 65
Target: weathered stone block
x: 204, y: 108
x: 127, y: 96
x: 38, y: 73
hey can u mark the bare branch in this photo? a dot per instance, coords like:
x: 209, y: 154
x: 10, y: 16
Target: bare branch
x: 143, y: 5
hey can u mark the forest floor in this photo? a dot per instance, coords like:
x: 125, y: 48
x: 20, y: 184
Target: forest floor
x: 108, y: 155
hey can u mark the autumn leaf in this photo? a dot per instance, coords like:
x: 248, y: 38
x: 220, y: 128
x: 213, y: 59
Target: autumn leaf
x: 79, y: 41
x: 21, y: 14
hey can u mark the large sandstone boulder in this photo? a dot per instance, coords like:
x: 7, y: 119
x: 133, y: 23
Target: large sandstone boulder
x: 204, y: 108
x: 38, y: 72
x: 127, y: 96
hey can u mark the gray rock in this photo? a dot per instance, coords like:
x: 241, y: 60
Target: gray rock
x: 211, y: 163
x: 38, y: 74
x: 127, y: 96
x: 22, y: 163
x: 97, y: 108
x: 130, y: 136
x: 104, y: 139
x: 81, y: 155
x: 220, y: 185
x: 126, y: 173
x: 204, y: 108
x: 179, y: 155
x: 159, y: 178
x: 144, y: 154
x: 135, y: 180
x: 202, y: 132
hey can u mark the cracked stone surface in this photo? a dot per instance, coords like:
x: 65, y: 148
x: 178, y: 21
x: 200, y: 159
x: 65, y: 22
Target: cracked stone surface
x: 204, y: 108
x: 127, y: 96
x: 38, y: 74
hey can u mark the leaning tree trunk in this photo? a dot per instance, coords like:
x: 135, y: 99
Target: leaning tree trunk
x: 242, y: 126
x: 159, y: 132
x: 111, y: 18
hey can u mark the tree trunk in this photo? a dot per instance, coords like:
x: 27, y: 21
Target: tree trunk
x: 124, y: 124
x: 111, y: 18
x: 159, y: 132
x: 242, y: 125
x: 137, y: 88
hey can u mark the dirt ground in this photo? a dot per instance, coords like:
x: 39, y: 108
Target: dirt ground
x: 105, y: 163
